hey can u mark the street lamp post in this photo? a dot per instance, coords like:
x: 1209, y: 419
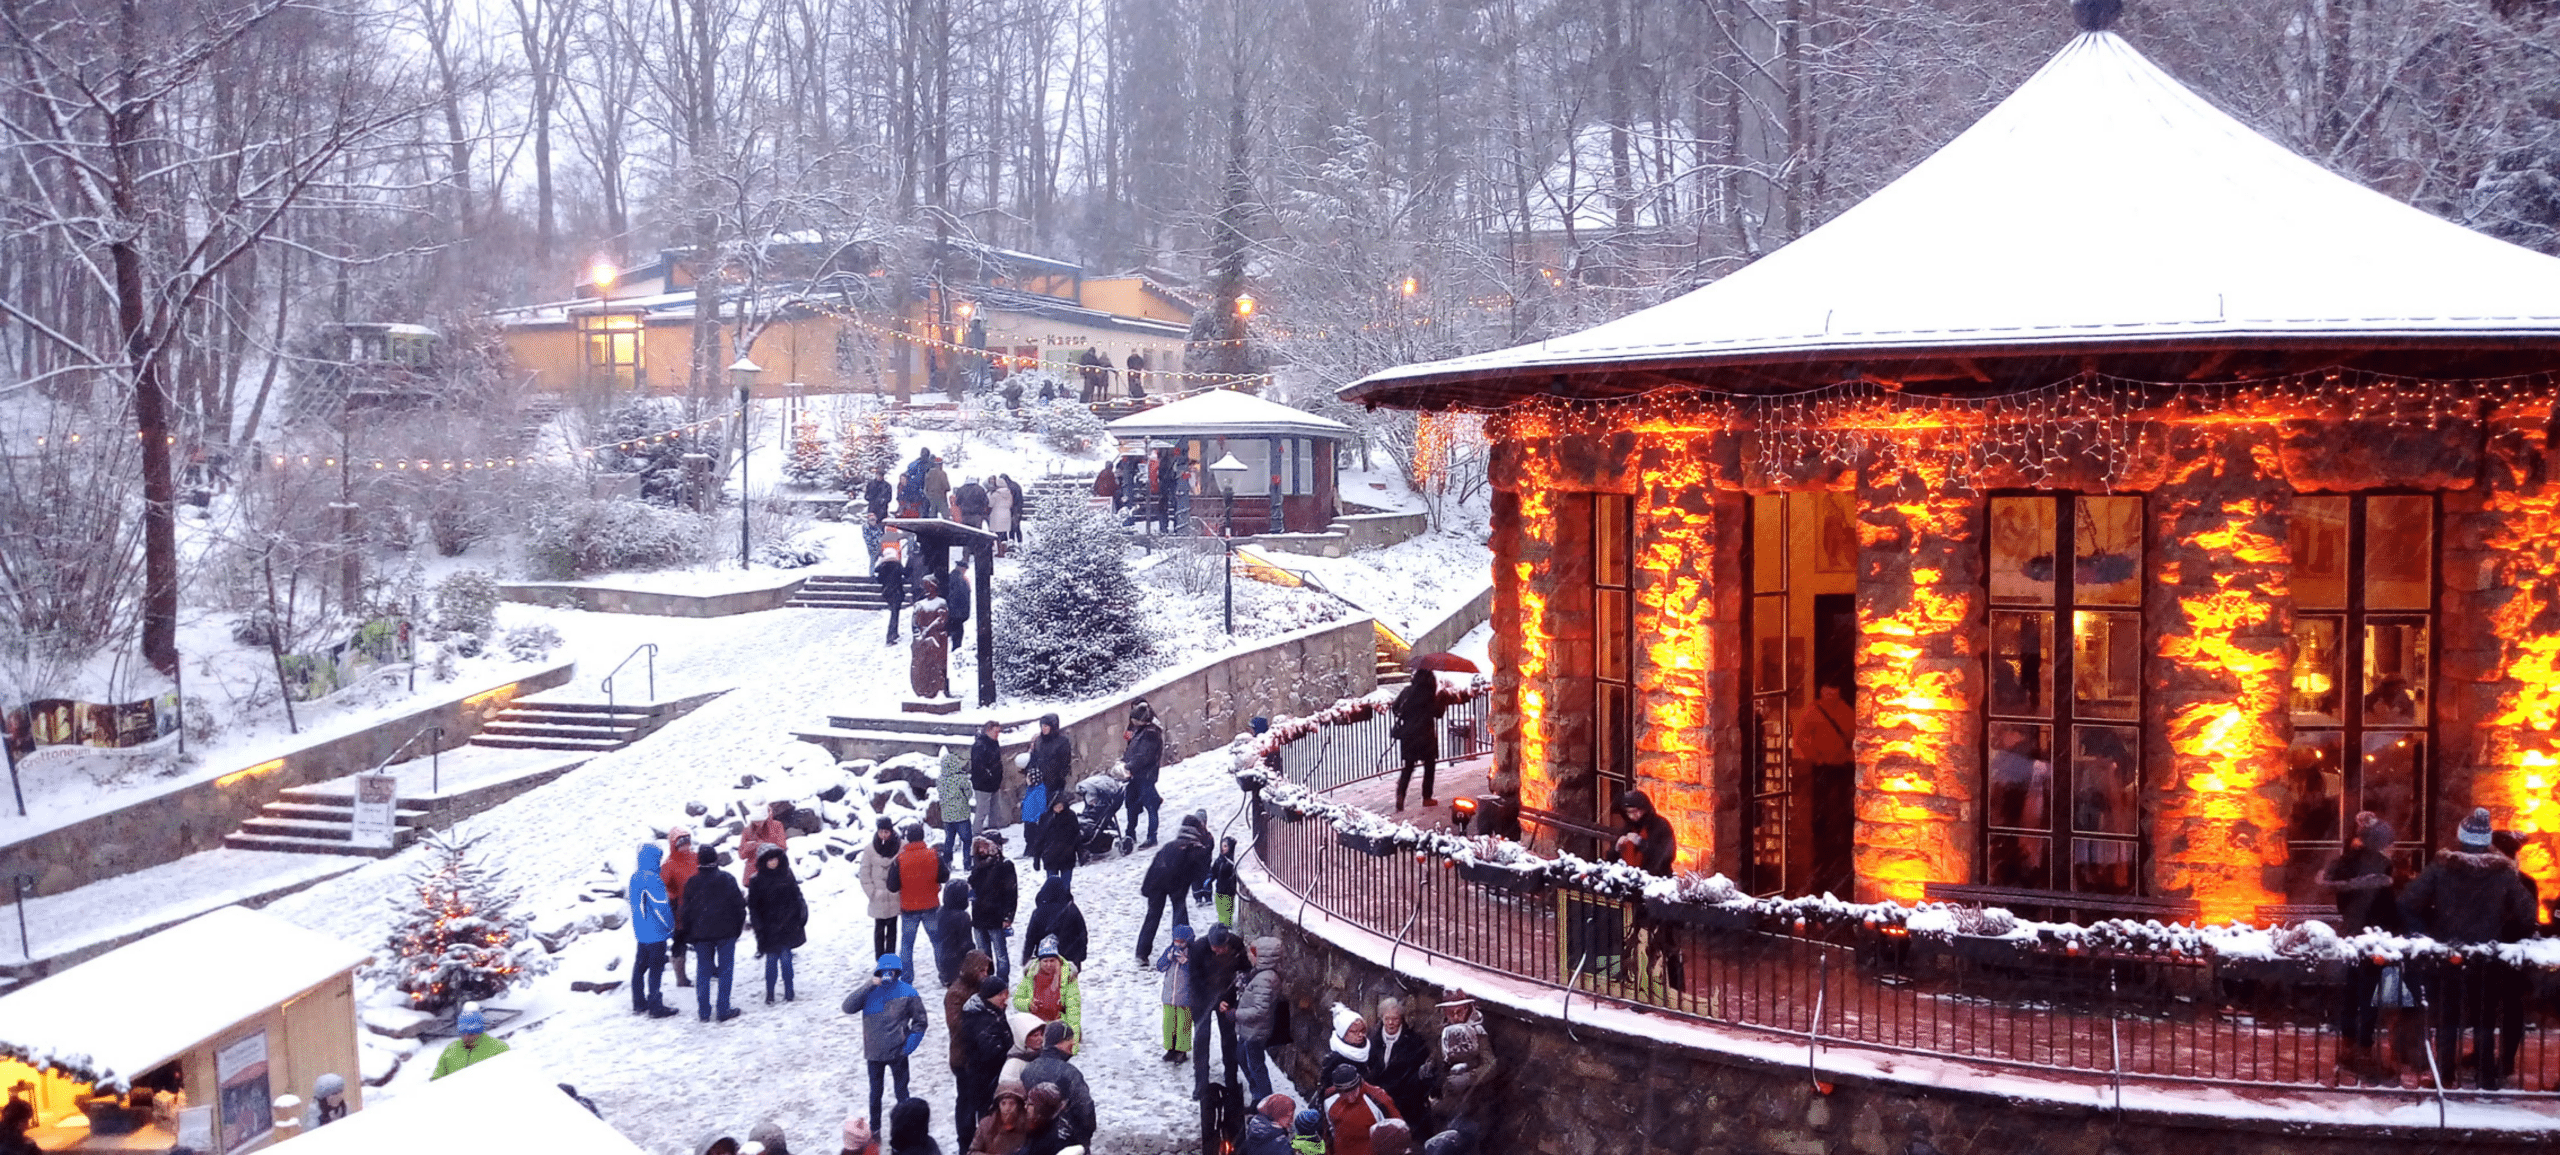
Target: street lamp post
x: 743, y: 372
x: 1227, y: 468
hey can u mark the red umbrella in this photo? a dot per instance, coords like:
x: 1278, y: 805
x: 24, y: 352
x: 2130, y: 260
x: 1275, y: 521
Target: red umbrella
x: 1444, y: 662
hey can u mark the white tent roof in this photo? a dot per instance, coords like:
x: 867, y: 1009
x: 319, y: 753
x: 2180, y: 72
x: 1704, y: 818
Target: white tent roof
x: 133, y: 1008
x: 1226, y: 413
x: 507, y: 1103
x: 2102, y: 203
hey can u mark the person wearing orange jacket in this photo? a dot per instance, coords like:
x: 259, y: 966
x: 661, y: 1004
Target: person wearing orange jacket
x: 679, y: 868
x: 917, y: 875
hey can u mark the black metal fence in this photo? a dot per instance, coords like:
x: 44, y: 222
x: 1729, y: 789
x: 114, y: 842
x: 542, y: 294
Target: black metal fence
x: 1338, y: 755
x: 2096, y: 1017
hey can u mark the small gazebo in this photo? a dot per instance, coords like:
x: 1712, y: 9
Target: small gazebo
x: 2115, y: 506
x: 1292, y: 458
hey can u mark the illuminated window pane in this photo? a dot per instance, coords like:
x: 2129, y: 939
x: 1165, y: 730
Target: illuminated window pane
x: 1769, y: 717
x: 1769, y: 635
x: 2395, y: 672
x: 2106, y: 665
x: 1617, y: 730
x: 1610, y: 641
x: 2022, y: 539
x: 2399, y: 551
x: 2319, y: 536
x: 2391, y: 766
x: 2100, y: 866
x: 2021, y: 776
x: 2315, y: 782
x: 2018, y: 860
x: 1609, y: 517
x: 1768, y: 544
x: 2316, y: 655
x: 2021, y: 663
x: 2107, y: 565
x: 2105, y: 780
x: 1769, y: 835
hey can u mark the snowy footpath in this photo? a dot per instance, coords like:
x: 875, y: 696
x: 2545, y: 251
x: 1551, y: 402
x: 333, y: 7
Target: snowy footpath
x: 667, y: 1082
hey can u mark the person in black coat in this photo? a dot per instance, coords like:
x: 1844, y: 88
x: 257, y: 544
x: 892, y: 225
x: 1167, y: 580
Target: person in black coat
x: 1217, y: 958
x: 969, y: 500
x: 2361, y: 880
x: 1053, y: 1066
x: 781, y: 917
x: 1398, y: 1053
x: 2467, y: 896
x: 892, y: 576
x: 1143, y: 758
x: 986, y: 777
x: 1054, y: 841
x: 710, y: 918
x: 876, y: 493
x: 1055, y: 912
x: 995, y: 893
x: 1648, y: 843
x: 1053, y: 757
x: 951, y: 931
x: 955, y: 594
x: 1178, y: 867
x: 1417, y: 731
x: 985, y: 1040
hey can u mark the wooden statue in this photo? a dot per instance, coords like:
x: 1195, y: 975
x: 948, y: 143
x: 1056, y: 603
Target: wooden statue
x: 929, y: 663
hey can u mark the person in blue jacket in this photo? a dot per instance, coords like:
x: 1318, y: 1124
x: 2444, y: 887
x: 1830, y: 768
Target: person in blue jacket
x: 893, y: 1024
x: 653, y: 921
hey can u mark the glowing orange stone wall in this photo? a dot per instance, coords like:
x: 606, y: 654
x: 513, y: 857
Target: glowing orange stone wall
x: 1919, y: 676
x: 2219, y: 609
x: 2501, y: 653
x: 1688, y: 649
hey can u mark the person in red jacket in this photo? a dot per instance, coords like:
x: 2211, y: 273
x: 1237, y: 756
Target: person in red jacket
x: 767, y: 831
x: 917, y: 875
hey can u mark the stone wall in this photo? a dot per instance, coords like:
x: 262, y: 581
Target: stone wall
x: 1456, y: 624
x: 1918, y: 742
x: 607, y: 600
x: 1615, y: 1083
x: 184, y: 819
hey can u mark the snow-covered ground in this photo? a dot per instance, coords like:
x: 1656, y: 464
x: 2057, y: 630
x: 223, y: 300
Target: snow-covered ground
x: 1410, y: 585
x: 665, y: 1082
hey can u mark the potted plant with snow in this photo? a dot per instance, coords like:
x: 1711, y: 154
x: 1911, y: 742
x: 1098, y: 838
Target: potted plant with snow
x: 1704, y: 900
x: 1501, y: 864
x: 1369, y: 834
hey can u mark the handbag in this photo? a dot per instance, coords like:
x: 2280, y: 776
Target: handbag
x: 1034, y: 801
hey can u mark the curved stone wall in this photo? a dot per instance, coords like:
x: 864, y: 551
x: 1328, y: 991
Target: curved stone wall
x: 1580, y: 1078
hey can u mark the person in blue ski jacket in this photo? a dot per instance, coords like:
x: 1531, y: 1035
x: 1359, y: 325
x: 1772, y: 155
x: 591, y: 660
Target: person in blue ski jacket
x: 653, y: 922
x: 893, y: 1025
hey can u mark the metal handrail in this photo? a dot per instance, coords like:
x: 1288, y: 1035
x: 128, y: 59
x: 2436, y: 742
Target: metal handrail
x: 651, y: 649
x: 435, y: 757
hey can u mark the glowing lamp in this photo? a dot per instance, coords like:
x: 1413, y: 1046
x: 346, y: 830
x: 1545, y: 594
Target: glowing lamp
x: 602, y: 275
x: 1411, y: 286
x: 1244, y: 304
x: 1462, y: 813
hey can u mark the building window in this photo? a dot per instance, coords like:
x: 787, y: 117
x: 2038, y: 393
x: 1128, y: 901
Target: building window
x: 1800, y: 685
x: 1613, y: 648
x: 613, y: 347
x: 2063, y: 741
x: 2362, y: 687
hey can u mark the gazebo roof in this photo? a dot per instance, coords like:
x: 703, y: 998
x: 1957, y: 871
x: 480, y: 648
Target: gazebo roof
x: 507, y: 1099
x: 2103, y: 207
x: 1226, y: 413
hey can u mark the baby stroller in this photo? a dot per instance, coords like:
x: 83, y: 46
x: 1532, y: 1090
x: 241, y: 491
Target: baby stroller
x: 1098, y: 829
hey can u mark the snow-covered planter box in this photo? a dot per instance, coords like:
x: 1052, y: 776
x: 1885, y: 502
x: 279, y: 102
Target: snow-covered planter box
x: 1499, y: 876
x: 1711, y: 916
x: 1367, y: 842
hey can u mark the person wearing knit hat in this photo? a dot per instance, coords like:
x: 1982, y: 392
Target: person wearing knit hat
x: 1349, y: 1047
x: 1261, y: 1013
x: 1051, y: 988
x: 1352, y: 1107
x: 2467, y: 896
x: 1266, y: 1130
x: 769, y: 1133
x: 857, y: 1137
x: 475, y: 1046
x: 2360, y: 878
x: 1306, y: 1132
x: 980, y: 1041
x: 1175, y: 989
x: 1390, y: 1137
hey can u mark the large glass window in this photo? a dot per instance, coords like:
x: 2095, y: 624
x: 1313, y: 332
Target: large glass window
x: 1800, y: 694
x: 2362, y: 685
x: 612, y: 346
x: 2062, y: 744
x: 1613, y: 647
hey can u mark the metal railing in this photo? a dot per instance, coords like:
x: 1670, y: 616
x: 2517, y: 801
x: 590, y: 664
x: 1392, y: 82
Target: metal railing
x: 1339, y: 755
x: 2096, y: 1018
x: 648, y: 648
x: 435, y: 757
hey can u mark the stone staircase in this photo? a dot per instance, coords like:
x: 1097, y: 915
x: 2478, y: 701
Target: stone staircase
x: 319, y: 820
x: 576, y: 727
x: 839, y: 592
x: 1391, y: 671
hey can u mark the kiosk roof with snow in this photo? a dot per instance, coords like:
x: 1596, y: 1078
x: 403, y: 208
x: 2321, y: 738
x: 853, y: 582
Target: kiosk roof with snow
x: 1226, y: 413
x: 141, y: 1005
x: 2103, y: 205
x: 507, y: 1101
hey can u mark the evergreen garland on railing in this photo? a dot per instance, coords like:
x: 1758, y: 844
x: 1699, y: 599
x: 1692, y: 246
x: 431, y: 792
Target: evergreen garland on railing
x: 2309, y: 942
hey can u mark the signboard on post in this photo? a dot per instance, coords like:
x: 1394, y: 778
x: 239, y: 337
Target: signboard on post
x: 377, y: 797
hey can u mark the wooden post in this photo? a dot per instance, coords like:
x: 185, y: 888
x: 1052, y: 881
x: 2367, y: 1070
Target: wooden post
x: 984, y: 551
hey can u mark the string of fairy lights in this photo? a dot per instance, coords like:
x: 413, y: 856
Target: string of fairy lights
x: 2089, y: 426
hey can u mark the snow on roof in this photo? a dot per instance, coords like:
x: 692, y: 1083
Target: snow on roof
x: 136, y: 1007
x: 1226, y: 412
x: 2103, y: 203
x: 509, y: 1101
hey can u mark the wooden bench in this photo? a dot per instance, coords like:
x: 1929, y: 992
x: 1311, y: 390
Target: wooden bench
x: 2067, y: 902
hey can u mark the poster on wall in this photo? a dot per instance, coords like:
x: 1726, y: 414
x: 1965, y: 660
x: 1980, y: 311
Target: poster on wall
x: 195, y: 1128
x: 247, y: 1104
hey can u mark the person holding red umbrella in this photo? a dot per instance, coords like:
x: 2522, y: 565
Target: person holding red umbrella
x: 1417, y: 732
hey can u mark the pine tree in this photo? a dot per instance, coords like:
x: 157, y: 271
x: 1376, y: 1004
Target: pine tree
x: 457, y: 937
x: 864, y: 444
x: 1069, y: 625
x: 808, y: 463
